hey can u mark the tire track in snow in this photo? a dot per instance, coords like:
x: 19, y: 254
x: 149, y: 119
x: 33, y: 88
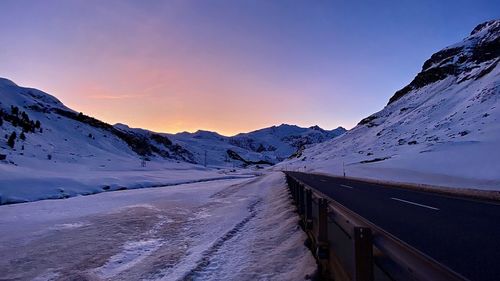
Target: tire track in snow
x: 207, y: 255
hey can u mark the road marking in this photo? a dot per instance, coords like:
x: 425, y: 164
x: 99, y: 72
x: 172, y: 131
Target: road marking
x: 343, y: 185
x: 416, y: 204
x: 323, y: 180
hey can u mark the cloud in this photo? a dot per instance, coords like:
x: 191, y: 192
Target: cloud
x: 117, y: 97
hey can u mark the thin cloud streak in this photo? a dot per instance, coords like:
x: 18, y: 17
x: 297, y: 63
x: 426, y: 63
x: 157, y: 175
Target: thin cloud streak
x: 112, y: 97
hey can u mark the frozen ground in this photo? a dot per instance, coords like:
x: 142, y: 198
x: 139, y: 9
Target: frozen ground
x: 239, y: 229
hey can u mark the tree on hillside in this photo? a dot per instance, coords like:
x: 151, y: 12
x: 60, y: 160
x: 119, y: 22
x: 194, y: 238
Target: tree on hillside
x: 25, y: 116
x: 22, y: 136
x: 12, y: 139
x: 14, y: 110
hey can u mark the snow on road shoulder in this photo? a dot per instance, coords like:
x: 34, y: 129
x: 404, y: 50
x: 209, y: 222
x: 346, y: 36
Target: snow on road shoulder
x: 266, y: 244
x: 242, y: 229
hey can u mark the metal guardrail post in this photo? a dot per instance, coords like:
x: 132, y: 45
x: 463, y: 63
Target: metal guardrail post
x: 322, y: 221
x: 297, y: 190
x: 309, y: 217
x: 322, y: 247
x: 302, y: 206
x: 363, y: 254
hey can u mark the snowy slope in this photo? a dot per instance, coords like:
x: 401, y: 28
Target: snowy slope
x: 441, y: 129
x: 67, y: 136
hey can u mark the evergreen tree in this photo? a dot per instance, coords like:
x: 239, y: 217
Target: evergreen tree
x: 12, y: 139
x: 22, y: 136
x: 14, y: 110
x: 37, y: 124
x: 32, y: 126
x: 1, y: 120
x: 25, y: 116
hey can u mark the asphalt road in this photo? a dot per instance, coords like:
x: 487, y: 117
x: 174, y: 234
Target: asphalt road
x: 460, y: 233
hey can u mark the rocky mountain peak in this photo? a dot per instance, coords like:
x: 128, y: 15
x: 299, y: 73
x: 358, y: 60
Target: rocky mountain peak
x: 492, y: 26
x: 472, y: 58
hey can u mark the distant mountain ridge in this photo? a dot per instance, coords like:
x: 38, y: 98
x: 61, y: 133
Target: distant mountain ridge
x: 268, y: 145
x: 38, y: 127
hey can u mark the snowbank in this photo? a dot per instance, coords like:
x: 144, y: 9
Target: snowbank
x: 24, y: 184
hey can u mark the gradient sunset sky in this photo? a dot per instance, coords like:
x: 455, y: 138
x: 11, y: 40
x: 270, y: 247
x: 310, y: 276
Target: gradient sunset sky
x: 227, y: 65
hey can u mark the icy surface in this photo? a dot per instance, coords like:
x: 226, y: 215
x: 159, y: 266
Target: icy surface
x: 240, y: 229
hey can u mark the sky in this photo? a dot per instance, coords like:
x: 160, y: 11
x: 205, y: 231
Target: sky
x: 227, y: 65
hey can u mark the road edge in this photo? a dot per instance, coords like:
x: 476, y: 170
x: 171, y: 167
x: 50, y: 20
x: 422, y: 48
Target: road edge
x: 465, y: 193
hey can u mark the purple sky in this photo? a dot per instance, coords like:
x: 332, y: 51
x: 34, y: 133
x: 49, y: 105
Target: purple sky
x: 228, y: 66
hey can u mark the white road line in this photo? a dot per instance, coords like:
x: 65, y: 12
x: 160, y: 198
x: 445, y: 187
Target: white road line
x: 343, y: 185
x: 416, y: 204
x: 323, y: 180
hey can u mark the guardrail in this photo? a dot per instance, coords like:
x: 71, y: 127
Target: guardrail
x: 349, y: 247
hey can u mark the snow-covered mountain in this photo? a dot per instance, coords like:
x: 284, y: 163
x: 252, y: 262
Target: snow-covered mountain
x: 43, y: 131
x: 265, y: 146
x: 442, y: 129
x: 41, y: 128
x: 268, y: 145
x: 48, y: 150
